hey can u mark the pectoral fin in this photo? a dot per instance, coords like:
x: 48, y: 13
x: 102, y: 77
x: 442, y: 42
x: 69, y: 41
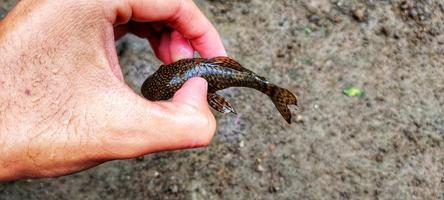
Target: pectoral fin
x: 220, y: 104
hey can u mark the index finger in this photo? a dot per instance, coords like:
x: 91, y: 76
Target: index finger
x: 185, y: 17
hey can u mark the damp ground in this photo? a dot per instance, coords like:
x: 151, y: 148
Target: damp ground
x: 387, y: 144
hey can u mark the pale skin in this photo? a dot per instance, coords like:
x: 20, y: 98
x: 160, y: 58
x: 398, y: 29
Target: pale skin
x: 64, y: 106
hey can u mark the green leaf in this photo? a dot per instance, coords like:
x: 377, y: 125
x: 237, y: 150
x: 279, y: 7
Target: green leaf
x: 353, y: 92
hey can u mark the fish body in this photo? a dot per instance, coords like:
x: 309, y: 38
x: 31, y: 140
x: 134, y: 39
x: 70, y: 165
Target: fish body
x: 220, y: 73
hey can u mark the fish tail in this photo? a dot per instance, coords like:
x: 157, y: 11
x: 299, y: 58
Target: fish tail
x: 282, y: 98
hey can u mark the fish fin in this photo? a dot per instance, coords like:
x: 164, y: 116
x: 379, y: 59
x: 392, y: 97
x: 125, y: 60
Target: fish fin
x: 220, y: 104
x: 229, y: 63
x: 282, y: 98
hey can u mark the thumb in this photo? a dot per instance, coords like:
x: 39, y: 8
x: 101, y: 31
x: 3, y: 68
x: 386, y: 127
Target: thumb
x: 193, y: 93
x: 137, y: 127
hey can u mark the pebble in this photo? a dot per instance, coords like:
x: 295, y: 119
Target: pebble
x: 260, y: 168
x: 174, y: 189
x: 242, y: 144
x: 413, y: 13
x: 273, y: 189
x: 336, y: 18
x: 299, y: 119
x: 314, y: 19
x: 360, y: 14
x: 318, y: 6
x: 271, y: 147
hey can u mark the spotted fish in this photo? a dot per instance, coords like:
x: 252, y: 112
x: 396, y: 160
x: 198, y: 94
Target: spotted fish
x: 220, y: 73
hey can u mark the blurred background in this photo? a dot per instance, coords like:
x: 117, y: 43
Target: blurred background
x: 386, y: 144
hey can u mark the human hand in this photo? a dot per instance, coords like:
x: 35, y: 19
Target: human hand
x: 64, y: 106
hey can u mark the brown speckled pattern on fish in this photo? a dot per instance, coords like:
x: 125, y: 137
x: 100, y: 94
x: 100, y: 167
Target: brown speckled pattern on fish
x: 220, y: 73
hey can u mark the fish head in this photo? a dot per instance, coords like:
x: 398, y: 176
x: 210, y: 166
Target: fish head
x: 156, y: 87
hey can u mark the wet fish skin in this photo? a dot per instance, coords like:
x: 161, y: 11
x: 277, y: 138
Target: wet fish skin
x: 220, y: 73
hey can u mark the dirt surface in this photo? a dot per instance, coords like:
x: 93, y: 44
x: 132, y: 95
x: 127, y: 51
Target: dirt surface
x: 385, y: 145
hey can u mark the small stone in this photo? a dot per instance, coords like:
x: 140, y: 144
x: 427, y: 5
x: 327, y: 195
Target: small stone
x: 299, y: 119
x: 314, y: 19
x: 413, y: 13
x: 337, y: 18
x: 273, y: 189
x: 260, y: 168
x: 271, y: 147
x: 156, y: 174
x: 360, y: 14
x: 242, y: 144
x: 318, y: 6
x: 174, y: 189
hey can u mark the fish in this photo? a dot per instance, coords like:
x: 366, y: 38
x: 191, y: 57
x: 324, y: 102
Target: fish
x: 220, y: 73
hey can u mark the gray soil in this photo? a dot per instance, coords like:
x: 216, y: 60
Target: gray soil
x: 385, y: 145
